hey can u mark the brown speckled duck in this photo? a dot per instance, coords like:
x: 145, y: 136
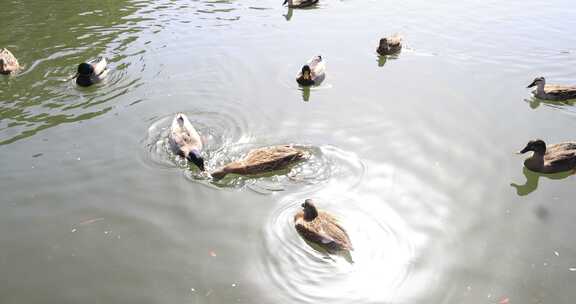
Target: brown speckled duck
x: 390, y: 45
x: 321, y: 228
x: 552, y: 91
x: 263, y: 160
x: 299, y: 3
x: 550, y: 159
x: 8, y: 63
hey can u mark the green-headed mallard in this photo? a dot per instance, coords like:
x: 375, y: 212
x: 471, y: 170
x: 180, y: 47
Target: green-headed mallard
x: 8, y: 63
x: 550, y: 159
x: 263, y: 160
x: 185, y: 140
x: 552, y: 91
x: 321, y: 228
x: 313, y: 72
x: 299, y: 3
x: 91, y: 72
x: 390, y: 45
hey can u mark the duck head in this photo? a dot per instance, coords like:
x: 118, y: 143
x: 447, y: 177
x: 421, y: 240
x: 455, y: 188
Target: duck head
x: 538, y: 146
x: 540, y: 81
x: 383, y: 46
x: 195, y: 158
x: 305, y: 76
x: 85, y: 70
x: 310, y: 211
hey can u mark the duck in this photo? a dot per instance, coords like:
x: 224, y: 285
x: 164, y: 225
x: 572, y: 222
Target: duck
x: 8, y: 62
x: 299, y: 3
x: 185, y: 140
x: 550, y: 159
x: 552, y: 91
x: 313, y: 72
x: 91, y: 72
x: 321, y: 228
x: 389, y: 45
x: 263, y: 160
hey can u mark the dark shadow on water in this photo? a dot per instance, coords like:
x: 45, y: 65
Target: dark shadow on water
x: 382, y: 59
x: 305, y: 93
x: 534, y: 102
x: 289, y: 14
x: 306, y: 89
x: 532, y: 179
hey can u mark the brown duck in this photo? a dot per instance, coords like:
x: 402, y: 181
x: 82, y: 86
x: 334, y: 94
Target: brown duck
x: 552, y: 91
x: 550, y: 159
x: 321, y: 228
x: 390, y: 45
x: 263, y: 160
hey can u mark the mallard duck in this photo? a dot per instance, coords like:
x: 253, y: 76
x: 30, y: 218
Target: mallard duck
x: 321, y: 228
x: 91, y: 72
x: 185, y: 140
x: 550, y: 159
x: 8, y: 63
x: 389, y: 45
x: 263, y: 160
x: 313, y: 72
x: 299, y: 3
x: 552, y: 91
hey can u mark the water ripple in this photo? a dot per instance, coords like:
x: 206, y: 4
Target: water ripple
x: 381, y: 259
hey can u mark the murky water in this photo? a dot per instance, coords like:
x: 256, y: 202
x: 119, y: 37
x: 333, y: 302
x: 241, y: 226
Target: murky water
x: 414, y: 154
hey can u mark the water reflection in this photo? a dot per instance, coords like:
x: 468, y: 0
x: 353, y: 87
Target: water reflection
x: 565, y: 105
x: 532, y: 179
x: 383, y: 59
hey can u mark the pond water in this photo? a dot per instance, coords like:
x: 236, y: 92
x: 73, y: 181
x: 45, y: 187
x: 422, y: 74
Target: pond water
x: 414, y: 154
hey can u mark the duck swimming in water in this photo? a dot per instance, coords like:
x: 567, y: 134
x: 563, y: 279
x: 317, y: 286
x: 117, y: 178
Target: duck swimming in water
x: 552, y: 91
x: 8, y: 63
x: 263, y: 160
x: 299, y: 3
x: 185, y: 140
x: 390, y: 45
x: 91, y: 72
x: 550, y: 159
x: 321, y: 228
x: 313, y: 72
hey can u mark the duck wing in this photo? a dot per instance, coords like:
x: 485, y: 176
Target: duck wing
x: 99, y: 64
x: 394, y: 41
x: 562, y: 159
x: 561, y: 90
x: 330, y: 231
x: 317, y: 65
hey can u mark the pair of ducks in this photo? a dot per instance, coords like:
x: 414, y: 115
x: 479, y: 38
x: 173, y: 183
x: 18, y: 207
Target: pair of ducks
x: 89, y: 73
x: 186, y: 142
x: 314, y: 71
x: 314, y: 226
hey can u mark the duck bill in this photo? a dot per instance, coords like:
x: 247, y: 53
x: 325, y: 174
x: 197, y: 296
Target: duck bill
x: 524, y: 150
x: 532, y: 84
